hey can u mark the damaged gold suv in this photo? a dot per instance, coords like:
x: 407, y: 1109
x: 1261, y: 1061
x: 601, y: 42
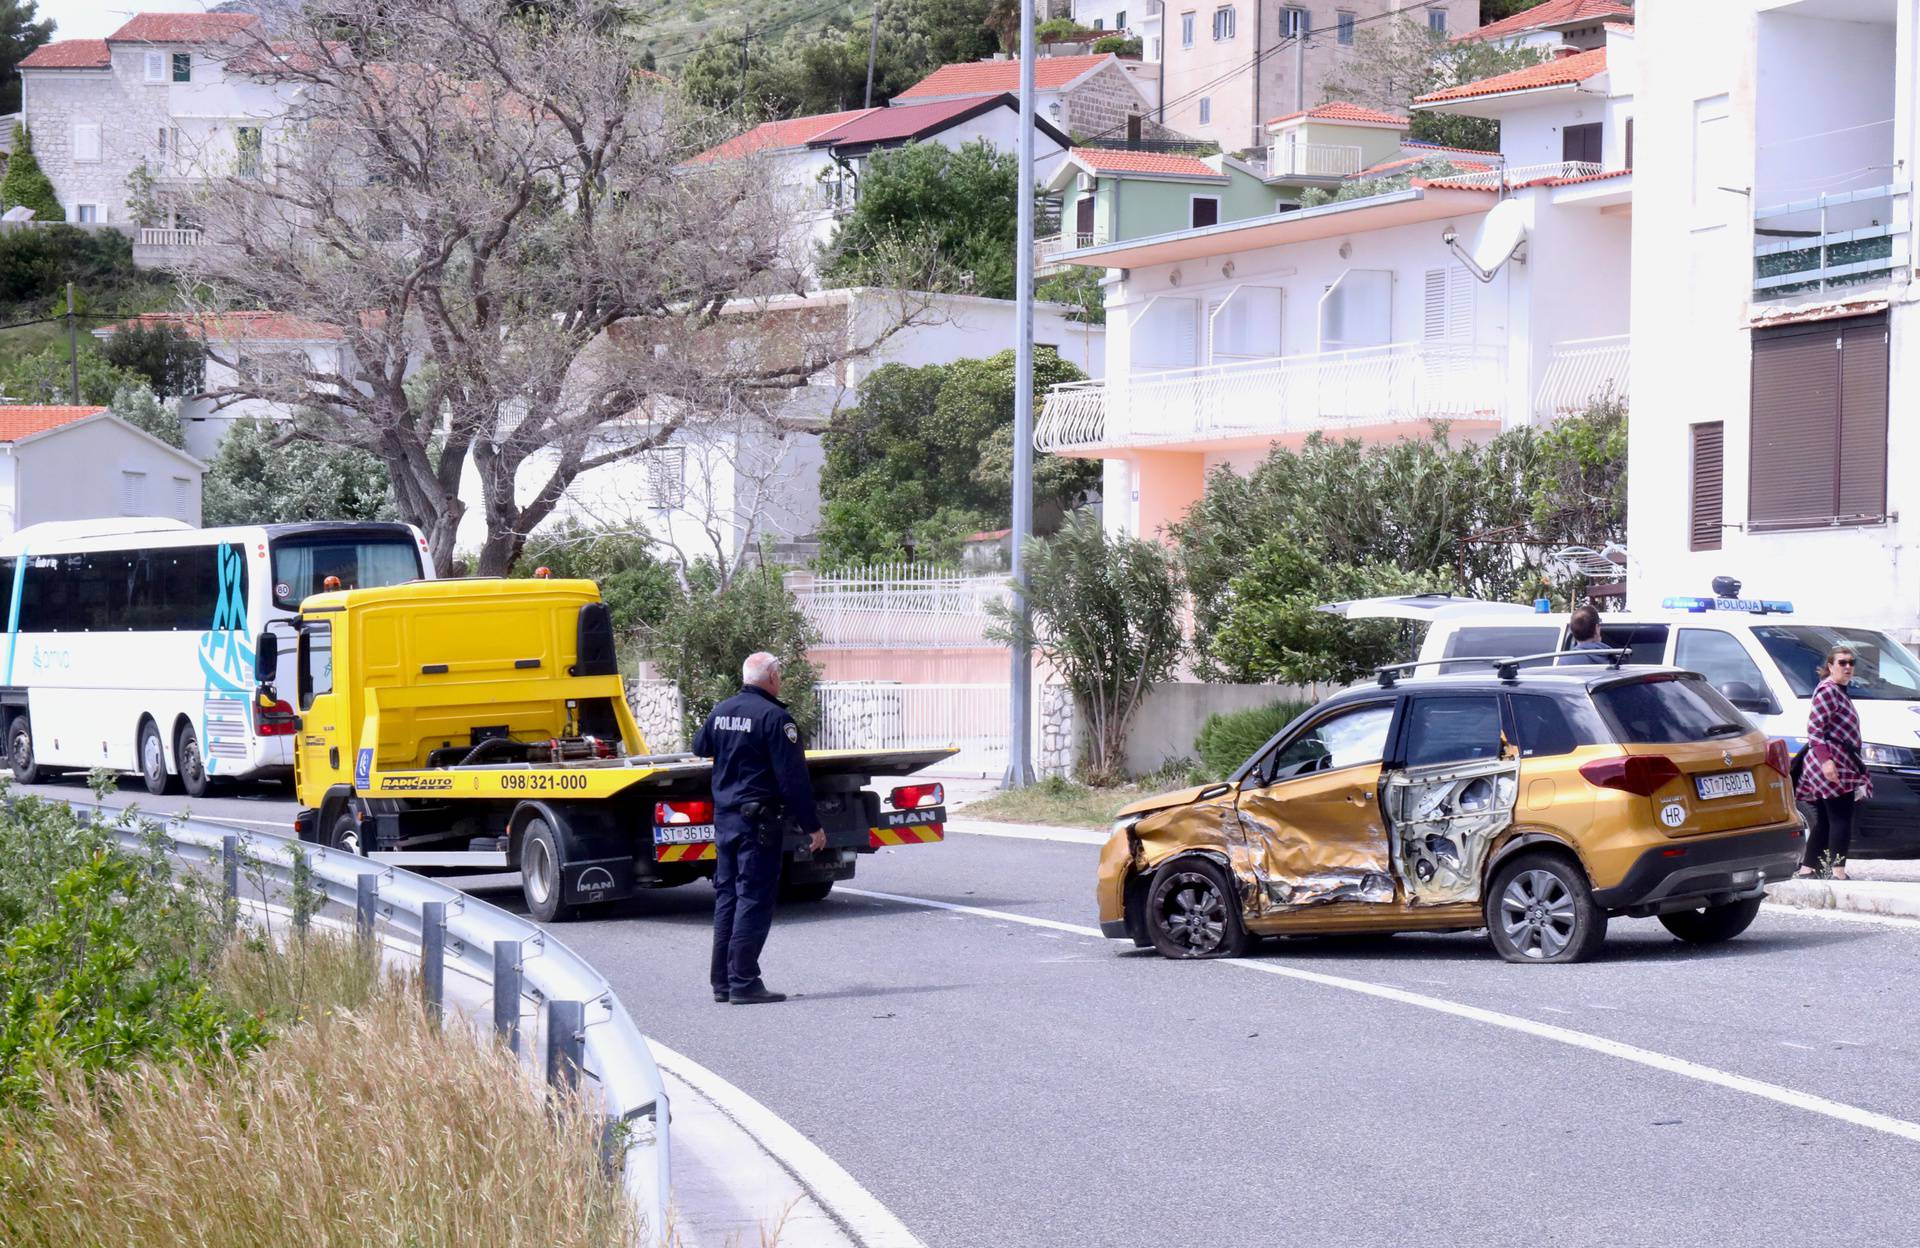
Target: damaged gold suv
x: 1536, y: 802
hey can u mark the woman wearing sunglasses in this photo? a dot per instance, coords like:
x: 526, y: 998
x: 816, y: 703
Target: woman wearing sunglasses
x: 1835, y: 777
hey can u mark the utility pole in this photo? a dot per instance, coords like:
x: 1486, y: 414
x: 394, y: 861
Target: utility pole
x: 73, y: 351
x: 746, y: 38
x: 1300, y: 69
x: 1019, y: 712
x: 873, y: 50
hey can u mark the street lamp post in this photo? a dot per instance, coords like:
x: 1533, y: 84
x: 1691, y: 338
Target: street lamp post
x: 1020, y: 687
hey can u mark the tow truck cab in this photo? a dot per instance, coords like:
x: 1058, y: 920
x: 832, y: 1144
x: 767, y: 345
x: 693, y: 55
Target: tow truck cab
x: 482, y: 725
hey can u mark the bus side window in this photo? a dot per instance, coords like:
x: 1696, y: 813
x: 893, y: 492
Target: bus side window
x: 316, y: 663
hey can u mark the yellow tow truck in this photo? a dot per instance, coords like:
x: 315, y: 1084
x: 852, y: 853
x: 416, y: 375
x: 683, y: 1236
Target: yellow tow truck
x: 482, y: 725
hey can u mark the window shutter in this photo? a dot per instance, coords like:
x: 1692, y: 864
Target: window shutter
x: 86, y: 142
x: 1862, y: 476
x: 133, y: 493
x: 1796, y: 400
x: 1448, y: 306
x: 1709, y: 476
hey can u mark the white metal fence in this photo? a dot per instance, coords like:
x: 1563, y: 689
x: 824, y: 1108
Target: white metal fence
x: 1516, y: 175
x: 1582, y: 370
x: 1314, y: 160
x: 1329, y: 391
x: 872, y: 715
x: 900, y: 606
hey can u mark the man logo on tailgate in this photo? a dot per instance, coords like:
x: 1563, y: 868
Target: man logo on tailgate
x: 911, y: 818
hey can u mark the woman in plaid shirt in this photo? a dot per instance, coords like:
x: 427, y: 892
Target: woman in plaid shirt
x: 1834, y: 777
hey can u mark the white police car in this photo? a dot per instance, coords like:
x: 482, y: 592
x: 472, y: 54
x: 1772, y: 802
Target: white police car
x: 1757, y: 652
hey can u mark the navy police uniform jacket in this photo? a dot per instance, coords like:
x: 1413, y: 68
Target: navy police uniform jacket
x: 757, y: 757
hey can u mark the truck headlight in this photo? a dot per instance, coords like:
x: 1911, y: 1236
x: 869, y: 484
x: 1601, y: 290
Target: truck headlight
x: 1889, y: 755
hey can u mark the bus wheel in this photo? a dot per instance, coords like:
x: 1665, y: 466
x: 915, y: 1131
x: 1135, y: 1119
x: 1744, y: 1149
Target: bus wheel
x: 153, y: 761
x: 20, y: 751
x: 193, y: 769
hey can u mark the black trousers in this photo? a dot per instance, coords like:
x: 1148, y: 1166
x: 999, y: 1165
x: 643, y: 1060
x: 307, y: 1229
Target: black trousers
x: 746, y: 877
x: 1832, y: 830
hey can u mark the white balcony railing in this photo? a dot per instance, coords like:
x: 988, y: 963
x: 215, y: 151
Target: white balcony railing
x: 169, y: 238
x: 1581, y: 371
x: 1515, y: 175
x: 1833, y: 240
x: 1314, y: 160
x: 1045, y: 249
x: 1329, y: 391
x: 898, y: 609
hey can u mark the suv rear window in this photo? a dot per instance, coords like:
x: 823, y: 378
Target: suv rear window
x: 1666, y: 710
x: 1499, y: 641
x: 1553, y: 726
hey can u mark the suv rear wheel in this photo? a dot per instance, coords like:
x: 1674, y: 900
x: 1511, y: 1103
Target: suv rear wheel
x: 1539, y: 909
x: 1192, y: 912
x: 1710, y: 925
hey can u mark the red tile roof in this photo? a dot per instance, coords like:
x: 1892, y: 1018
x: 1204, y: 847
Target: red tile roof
x: 773, y: 135
x: 233, y: 326
x: 1388, y: 166
x: 1444, y: 185
x: 1552, y: 13
x: 1557, y: 73
x: 182, y: 27
x: 1339, y: 110
x: 23, y: 420
x: 1107, y: 160
x: 70, y: 54
x: 1592, y: 177
x: 903, y: 122
x: 1050, y: 73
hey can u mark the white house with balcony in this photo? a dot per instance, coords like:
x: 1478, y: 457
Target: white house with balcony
x: 1774, y: 309
x: 1554, y: 24
x: 1363, y: 318
x: 178, y: 96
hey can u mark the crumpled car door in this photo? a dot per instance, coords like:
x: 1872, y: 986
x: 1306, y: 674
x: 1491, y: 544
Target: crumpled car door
x: 1314, y: 841
x: 1443, y: 820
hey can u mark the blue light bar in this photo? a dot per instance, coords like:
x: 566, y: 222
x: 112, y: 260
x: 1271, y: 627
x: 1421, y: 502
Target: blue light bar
x: 1753, y: 606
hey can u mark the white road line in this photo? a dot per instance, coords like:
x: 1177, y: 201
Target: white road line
x: 1019, y: 832
x: 283, y: 826
x: 1790, y: 1097
x: 857, y: 1210
x: 1554, y: 1009
x: 1788, y: 1044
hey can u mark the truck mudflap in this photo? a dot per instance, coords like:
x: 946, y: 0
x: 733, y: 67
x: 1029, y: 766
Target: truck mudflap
x: 908, y: 827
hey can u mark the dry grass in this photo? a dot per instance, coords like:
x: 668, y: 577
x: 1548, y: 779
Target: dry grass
x: 360, y: 1125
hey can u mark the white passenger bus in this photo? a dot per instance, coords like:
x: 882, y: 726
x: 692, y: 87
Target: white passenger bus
x: 129, y: 642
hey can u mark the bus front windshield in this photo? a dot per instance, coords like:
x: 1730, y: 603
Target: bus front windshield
x: 1886, y: 672
x: 302, y: 565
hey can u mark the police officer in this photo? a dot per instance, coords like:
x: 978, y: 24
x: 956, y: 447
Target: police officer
x: 760, y: 784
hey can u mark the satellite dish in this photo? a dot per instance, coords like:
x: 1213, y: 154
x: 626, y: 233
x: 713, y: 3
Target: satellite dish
x: 19, y: 212
x: 1502, y: 233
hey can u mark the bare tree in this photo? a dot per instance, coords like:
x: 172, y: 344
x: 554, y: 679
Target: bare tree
x: 494, y: 206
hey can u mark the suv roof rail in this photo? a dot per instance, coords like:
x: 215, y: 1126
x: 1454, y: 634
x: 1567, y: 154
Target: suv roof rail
x: 1507, y: 667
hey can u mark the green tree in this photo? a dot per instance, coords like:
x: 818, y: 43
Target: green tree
x: 926, y: 457
x: 25, y: 185
x: 20, y: 34
x: 256, y: 480
x: 1494, y: 10
x: 1106, y: 617
x: 46, y: 377
x: 172, y: 360
x: 142, y: 409
x: 37, y: 264
x: 958, y: 207
x: 1394, y: 61
x: 709, y: 629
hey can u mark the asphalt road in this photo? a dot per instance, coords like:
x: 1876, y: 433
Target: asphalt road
x: 995, y: 1082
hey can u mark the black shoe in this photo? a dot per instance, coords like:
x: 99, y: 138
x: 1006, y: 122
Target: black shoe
x: 720, y: 997
x: 756, y: 996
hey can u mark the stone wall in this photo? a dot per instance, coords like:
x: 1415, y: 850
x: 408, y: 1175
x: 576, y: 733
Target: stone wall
x: 1098, y: 108
x: 856, y: 714
x: 660, y: 712
x: 1059, y: 744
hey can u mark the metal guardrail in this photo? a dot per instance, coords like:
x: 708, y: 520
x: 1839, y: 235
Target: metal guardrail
x: 586, y: 1031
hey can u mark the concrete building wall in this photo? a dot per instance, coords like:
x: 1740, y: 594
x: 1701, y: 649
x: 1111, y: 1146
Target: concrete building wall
x: 1745, y: 100
x: 79, y: 473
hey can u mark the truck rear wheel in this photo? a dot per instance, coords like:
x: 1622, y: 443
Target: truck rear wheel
x: 811, y: 890
x: 540, y: 878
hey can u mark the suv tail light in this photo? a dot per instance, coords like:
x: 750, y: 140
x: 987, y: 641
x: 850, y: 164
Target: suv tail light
x: 1779, y: 757
x: 666, y: 814
x: 1640, y: 774
x: 914, y: 796
x: 274, y: 719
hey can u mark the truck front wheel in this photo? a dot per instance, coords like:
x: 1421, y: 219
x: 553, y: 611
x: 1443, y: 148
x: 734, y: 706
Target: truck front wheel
x: 540, y: 872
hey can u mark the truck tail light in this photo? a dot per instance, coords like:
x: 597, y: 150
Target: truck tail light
x: 914, y: 796
x: 1640, y: 774
x: 667, y: 814
x: 1779, y: 757
x: 275, y: 720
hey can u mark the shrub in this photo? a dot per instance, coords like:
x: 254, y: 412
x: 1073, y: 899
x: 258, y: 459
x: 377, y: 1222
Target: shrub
x: 36, y: 265
x: 1229, y: 738
x: 172, y: 360
x: 25, y: 184
x: 255, y: 481
x: 1120, y: 45
x: 138, y: 406
x: 1106, y: 616
x: 709, y: 629
x: 1062, y: 30
x: 636, y: 586
x: 47, y: 377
